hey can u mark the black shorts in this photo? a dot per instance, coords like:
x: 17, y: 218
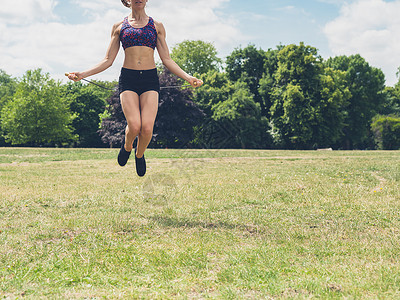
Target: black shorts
x: 139, y: 81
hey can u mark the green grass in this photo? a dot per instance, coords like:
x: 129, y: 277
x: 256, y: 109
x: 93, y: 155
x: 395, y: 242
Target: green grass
x: 222, y: 224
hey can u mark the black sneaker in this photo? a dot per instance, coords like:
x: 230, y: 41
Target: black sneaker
x: 123, y: 155
x: 140, y: 165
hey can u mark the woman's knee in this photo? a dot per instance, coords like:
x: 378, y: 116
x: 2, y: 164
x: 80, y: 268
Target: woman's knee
x: 147, y: 129
x: 134, y: 127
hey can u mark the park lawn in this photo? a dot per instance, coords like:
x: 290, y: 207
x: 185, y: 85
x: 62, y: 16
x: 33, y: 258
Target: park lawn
x: 224, y: 224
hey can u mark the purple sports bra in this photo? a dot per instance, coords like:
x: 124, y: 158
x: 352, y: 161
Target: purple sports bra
x: 145, y: 36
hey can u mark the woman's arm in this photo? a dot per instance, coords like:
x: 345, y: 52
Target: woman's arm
x: 166, y: 59
x: 108, y: 60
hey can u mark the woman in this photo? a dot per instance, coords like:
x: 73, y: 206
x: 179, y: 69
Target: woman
x: 139, y: 86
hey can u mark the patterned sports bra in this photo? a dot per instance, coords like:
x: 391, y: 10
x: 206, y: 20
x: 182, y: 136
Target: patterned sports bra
x: 145, y: 36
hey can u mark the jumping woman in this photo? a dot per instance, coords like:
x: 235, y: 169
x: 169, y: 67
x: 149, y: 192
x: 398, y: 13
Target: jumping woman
x: 139, y: 86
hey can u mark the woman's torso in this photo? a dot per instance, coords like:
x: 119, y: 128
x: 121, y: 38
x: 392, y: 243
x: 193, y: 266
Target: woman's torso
x: 139, y: 41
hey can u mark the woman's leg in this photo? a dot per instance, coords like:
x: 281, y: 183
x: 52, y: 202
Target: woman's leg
x: 131, y: 108
x: 148, y: 112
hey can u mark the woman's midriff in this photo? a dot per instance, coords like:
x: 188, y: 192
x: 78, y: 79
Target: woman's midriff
x: 139, y: 58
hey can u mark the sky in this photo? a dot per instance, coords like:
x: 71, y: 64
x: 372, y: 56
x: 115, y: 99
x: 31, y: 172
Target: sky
x: 73, y: 35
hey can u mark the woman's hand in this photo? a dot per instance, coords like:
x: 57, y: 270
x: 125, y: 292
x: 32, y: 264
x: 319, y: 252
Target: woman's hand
x: 75, y: 76
x: 194, y: 82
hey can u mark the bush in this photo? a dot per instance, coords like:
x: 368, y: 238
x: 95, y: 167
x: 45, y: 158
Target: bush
x: 386, y: 130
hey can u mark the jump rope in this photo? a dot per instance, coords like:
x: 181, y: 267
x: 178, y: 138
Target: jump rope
x: 161, y: 88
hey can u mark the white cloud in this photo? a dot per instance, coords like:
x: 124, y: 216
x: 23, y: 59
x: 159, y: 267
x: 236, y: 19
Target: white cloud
x: 287, y: 8
x: 370, y: 28
x: 25, y: 11
x: 33, y: 36
x: 55, y: 47
x: 196, y: 19
x: 335, y: 2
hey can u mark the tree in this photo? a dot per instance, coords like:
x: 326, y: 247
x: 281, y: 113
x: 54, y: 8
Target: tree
x: 112, y: 122
x: 7, y: 90
x: 391, y: 103
x: 366, y: 85
x: 328, y: 118
x: 87, y: 103
x: 38, y: 114
x: 240, y: 118
x: 267, y: 80
x: 291, y: 116
x: 232, y: 118
x: 177, y: 115
x: 196, y: 57
x: 386, y: 130
x: 248, y: 65
x: 217, y: 88
x: 307, y: 100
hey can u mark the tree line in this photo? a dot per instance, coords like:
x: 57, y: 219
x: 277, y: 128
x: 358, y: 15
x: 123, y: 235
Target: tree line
x: 287, y: 98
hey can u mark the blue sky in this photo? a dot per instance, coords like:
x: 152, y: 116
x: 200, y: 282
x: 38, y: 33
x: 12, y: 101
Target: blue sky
x: 72, y: 35
x: 286, y: 21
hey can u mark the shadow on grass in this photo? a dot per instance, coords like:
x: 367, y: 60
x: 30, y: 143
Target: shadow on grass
x: 170, y: 222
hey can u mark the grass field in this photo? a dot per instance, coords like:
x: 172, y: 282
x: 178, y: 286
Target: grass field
x: 222, y: 224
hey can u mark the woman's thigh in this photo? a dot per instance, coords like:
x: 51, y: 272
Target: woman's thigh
x: 130, y: 107
x: 148, y: 109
